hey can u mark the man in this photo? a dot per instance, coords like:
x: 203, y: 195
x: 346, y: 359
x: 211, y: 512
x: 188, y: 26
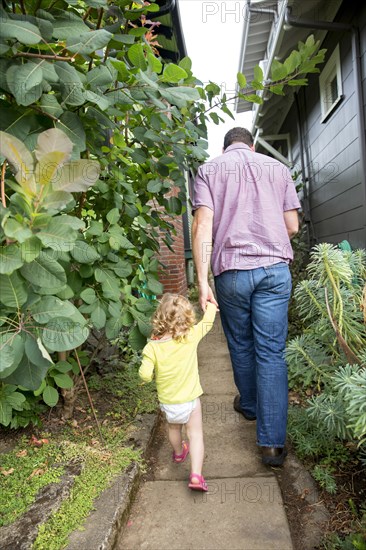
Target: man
x: 245, y: 213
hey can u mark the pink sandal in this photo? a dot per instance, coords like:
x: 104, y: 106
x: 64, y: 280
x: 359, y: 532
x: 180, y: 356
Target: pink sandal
x: 200, y: 486
x: 181, y: 458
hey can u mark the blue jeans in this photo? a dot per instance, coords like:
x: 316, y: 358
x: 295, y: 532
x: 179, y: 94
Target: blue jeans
x: 254, y: 313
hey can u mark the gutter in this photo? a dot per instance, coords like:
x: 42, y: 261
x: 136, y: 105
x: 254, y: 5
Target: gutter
x: 171, y: 7
x: 280, y: 22
x: 357, y: 72
x: 166, y: 8
x: 249, y: 10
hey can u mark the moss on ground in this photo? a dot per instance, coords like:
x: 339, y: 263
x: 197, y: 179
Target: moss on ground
x: 41, y: 459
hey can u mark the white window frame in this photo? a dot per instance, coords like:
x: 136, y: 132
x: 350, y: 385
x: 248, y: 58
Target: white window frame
x: 331, y: 70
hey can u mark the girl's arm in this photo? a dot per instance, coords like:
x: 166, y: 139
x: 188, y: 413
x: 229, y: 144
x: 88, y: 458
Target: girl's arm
x: 146, y: 369
x: 205, y: 325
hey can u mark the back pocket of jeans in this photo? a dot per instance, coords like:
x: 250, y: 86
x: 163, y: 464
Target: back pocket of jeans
x: 279, y: 279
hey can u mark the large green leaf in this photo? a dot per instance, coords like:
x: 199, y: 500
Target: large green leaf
x: 6, y: 350
x: 71, y: 221
x: 122, y: 269
x: 71, y: 124
x: 16, y: 230
x: 43, y: 24
x: 4, y: 47
x: 154, y: 285
x: 58, y: 236
x: 137, y: 57
x: 14, y: 121
x: 63, y: 334
x: 53, y: 140
x: 13, y: 290
x: 88, y: 296
x: 278, y: 70
x: 113, y: 327
x: 72, y: 89
x: 88, y: 42
x: 68, y: 25
x: 142, y: 322
x: 77, y: 176
x: 84, y: 253
x: 30, y: 249
x: 10, y: 259
x: 50, y: 307
x: 32, y: 368
x: 98, y: 317
x: 154, y: 63
x: 100, y: 76
x: 25, y: 82
x: 136, y: 340
x: 118, y: 239
x: 50, y: 396
x: 11, y: 347
x: 292, y: 61
x: 50, y: 105
x: 98, y: 99
x: 49, y: 73
x: 121, y: 68
x: 63, y: 381
x: 20, y: 158
x: 111, y: 286
x: 10, y: 399
x: 241, y: 80
x: 47, y: 170
x: 23, y: 31
x: 45, y: 272
x: 180, y: 95
x: 173, y: 74
x: 56, y: 200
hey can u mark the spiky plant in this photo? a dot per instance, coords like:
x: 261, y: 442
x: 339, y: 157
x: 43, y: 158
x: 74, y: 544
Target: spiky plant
x: 330, y: 356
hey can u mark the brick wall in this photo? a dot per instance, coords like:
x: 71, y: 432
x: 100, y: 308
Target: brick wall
x: 173, y: 271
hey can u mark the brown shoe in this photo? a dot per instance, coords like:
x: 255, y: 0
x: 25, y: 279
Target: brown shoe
x: 273, y: 456
x: 238, y: 409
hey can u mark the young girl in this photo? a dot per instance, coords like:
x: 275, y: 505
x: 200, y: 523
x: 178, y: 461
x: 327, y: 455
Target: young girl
x: 172, y: 354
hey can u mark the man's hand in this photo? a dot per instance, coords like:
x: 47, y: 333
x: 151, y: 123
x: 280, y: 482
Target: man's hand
x: 206, y: 295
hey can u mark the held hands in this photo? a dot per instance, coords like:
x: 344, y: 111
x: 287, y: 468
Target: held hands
x: 206, y: 295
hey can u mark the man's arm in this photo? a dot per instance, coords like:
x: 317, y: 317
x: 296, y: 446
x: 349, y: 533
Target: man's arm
x: 202, y: 248
x: 292, y: 222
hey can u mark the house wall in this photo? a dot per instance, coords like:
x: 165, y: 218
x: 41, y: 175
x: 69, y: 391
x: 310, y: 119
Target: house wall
x: 332, y: 153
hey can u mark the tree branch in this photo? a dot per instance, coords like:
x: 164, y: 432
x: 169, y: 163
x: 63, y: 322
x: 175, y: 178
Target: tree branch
x: 3, y: 200
x: 89, y: 397
x: 54, y: 118
x: 45, y: 56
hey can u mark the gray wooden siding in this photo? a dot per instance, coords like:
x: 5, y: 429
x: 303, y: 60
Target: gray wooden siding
x: 336, y: 193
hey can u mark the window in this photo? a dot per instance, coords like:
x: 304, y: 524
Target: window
x: 330, y: 82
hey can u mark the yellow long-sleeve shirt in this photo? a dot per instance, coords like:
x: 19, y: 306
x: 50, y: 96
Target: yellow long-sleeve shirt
x: 175, y: 363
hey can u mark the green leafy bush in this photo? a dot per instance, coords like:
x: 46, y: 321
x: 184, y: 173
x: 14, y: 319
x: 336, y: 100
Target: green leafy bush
x: 97, y: 130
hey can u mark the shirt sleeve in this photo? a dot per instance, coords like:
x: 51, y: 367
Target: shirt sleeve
x: 291, y: 200
x: 205, y: 325
x: 146, y: 369
x: 202, y: 194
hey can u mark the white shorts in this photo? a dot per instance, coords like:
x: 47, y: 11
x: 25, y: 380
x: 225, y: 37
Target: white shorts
x: 178, y: 413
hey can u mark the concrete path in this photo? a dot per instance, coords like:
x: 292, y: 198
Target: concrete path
x: 243, y: 509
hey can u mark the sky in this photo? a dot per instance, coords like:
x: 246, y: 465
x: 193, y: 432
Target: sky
x: 212, y: 33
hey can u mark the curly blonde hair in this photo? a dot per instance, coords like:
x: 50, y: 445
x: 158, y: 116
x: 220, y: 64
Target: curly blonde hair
x: 174, y: 315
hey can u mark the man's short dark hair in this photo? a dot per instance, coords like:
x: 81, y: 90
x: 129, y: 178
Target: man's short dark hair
x: 241, y: 135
